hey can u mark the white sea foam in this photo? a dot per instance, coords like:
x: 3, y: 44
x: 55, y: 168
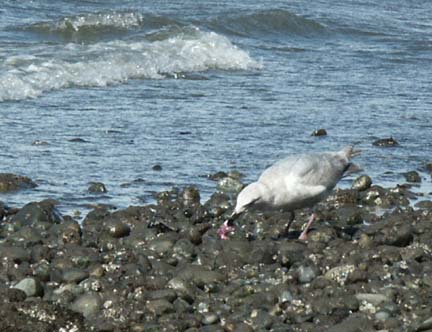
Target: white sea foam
x: 118, y: 20
x: 117, y: 61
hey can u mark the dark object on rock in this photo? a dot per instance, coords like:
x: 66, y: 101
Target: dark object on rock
x: 363, y: 182
x: 386, y: 142
x: 12, y: 182
x: 412, y: 176
x: 97, y: 187
x: 319, y: 132
x: 157, y: 167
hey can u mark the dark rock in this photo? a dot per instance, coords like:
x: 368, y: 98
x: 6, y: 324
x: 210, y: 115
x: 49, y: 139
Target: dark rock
x: 427, y: 205
x: 412, y: 176
x: 12, y: 182
x: 37, y: 214
x: 386, y: 142
x: 190, y: 195
x: 157, y: 168
x: 353, y: 323
x: 97, y: 188
x: 362, y: 183
x: 319, y: 132
x: 117, y: 228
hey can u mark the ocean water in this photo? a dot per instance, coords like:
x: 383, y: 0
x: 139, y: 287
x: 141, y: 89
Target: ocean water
x: 203, y: 86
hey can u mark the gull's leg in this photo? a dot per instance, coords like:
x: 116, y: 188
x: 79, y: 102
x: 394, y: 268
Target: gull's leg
x: 303, y: 235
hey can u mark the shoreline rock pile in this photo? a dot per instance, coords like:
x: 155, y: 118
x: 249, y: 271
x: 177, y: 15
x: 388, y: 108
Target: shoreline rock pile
x: 162, y: 267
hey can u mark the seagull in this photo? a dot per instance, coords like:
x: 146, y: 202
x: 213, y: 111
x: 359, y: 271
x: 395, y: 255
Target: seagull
x: 293, y: 183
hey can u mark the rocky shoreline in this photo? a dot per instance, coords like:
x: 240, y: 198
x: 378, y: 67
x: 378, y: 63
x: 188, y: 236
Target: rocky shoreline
x: 367, y: 266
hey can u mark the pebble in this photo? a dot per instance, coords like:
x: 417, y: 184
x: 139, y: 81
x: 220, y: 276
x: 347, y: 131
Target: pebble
x: 412, y: 176
x: 31, y: 287
x: 88, y: 304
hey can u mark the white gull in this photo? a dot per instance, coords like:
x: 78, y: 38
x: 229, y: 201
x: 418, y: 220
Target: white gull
x: 293, y: 183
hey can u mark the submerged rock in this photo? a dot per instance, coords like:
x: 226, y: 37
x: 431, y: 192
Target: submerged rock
x: 386, y: 142
x: 12, y: 182
x: 319, y: 132
x: 97, y: 187
x: 412, y: 176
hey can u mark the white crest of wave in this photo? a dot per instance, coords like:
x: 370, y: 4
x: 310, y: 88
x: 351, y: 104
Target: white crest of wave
x: 115, y: 62
x: 118, y: 20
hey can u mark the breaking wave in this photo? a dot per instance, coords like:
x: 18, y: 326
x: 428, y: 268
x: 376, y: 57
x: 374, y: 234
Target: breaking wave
x: 114, y: 62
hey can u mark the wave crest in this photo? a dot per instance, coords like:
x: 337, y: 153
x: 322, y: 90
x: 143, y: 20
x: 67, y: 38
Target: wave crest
x: 118, y: 61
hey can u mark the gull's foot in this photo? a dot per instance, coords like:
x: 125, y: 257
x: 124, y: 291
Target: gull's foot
x: 303, y: 236
x: 224, y: 230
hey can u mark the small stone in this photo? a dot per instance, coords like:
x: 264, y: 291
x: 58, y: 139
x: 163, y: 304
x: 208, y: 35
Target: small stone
x: 31, y: 286
x: 305, y: 274
x: 87, y: 304
x: 382, y: 315
x: 157, y: 168
x: 412, y: 176
x: 386, y: 142
x: 117, y: 228
x: 362, y: 183
x: 97, y: 188
x: 319, y: 132
x: 210, y: 318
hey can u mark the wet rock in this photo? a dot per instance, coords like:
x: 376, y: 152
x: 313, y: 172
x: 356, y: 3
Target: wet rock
x: 412, y: 176
x: 32, y: 287
x: 229, y: 185
x: 117, y: 228
x: 12, y: 182
x: 97, y: 188
x: 38, y: 214
x: 217, y: 204
x: 427, y: 205
x: 157, y: 168
x: 190, y: 196
x: 429, y: 167
x: 386, y: 142
x: 319, y: 132
x: 217, y: 176
x: 362, y: 183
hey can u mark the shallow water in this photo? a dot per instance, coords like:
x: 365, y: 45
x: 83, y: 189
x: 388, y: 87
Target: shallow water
x: 203, y: 87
